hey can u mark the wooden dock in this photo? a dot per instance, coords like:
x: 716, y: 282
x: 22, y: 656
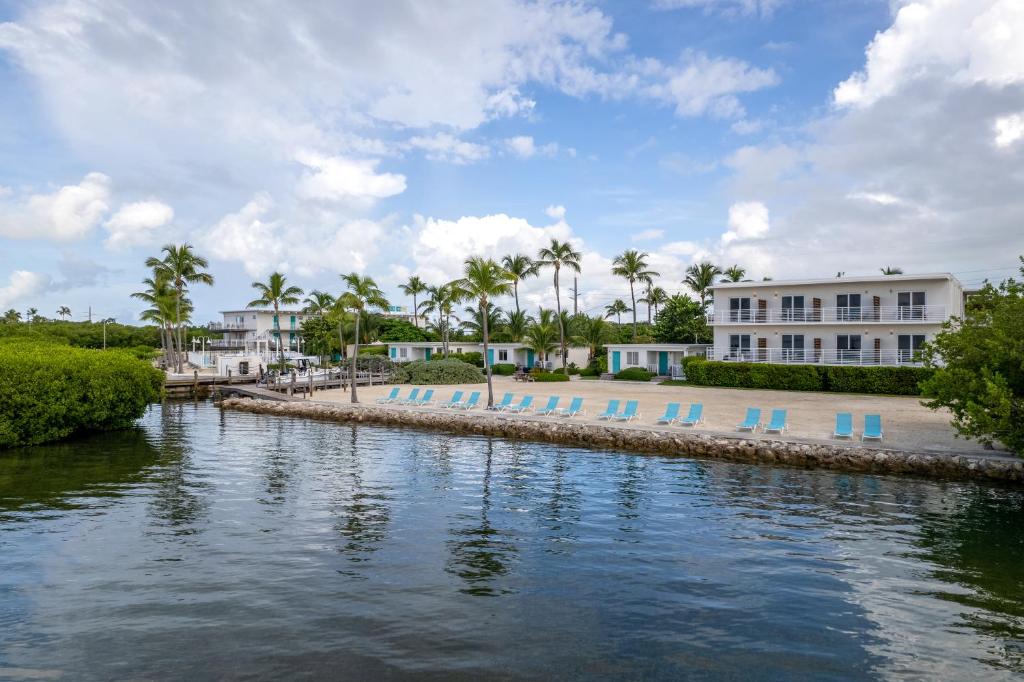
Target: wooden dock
x: 203, y: 385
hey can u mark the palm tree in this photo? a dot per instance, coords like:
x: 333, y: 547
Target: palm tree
x: 656, y: 297
x: 340, y: 310
x: 31, y: 314
x: 889, y: 270
x: 414, y: 287
x: 442, y: 301
x: 63, y: 312
x: 734, y: 274
x: 521, y: 267
x: 516, y: 324
x: 541, y: 338
x: 631, y: 265
x: 594, y: 332
x: 363, y: 294
x: 557, y: 255
x: 275, y: 292
x: 12, y: 316
x: 485, y: 279
x: 181, y: 266
x: 163, y: 311
x: 318, y: 303
x: 701, y: 278
x: 616, y: 308
x: 475, y: 324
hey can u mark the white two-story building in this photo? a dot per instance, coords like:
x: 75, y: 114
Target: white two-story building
x: 878, y: 320
x: 256, y: 329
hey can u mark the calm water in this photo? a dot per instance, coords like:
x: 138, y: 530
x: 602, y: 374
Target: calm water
x: 208, y: 545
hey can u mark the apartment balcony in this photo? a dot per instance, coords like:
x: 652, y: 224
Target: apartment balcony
x: 786, y: 356
x: 232, y: 326
x: 928, y: 314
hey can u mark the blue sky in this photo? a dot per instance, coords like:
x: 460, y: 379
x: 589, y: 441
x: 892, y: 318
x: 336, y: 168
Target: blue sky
x: 794, y: 138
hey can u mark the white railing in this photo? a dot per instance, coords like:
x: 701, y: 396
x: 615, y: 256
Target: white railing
x: 864, y: 313
x: 829, y: 356
x: 674, y: 371
x: 237, y: 326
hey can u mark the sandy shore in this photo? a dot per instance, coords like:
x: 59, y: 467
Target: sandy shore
x: 908, y: 425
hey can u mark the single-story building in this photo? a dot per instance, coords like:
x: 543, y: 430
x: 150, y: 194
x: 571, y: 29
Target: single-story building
x: 661, y: 359
x: 499, y: 353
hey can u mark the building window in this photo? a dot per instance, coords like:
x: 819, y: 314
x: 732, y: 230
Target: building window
x: 848, y: 306
x: 632, y: 358
x: 911, y: 305
x: 403, y: 352
x: 793, y: 309
x: 793, y: 347
x: 739, y: 346
x: 848, y: 347
x: 502, y: 356
x: 908, y: 345
x: 739, y: 310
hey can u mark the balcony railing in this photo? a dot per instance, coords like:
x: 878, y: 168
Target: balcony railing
x: 869, y: 313
x: 830, y: 356
x: 232, y: 326
x: 674, y: 371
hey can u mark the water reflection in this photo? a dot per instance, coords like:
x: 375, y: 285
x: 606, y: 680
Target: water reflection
x: 362, y: 509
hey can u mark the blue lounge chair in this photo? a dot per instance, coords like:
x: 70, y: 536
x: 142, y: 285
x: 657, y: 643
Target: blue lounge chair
x: 752, y: 422
x: 671, y: 414
x: 629, y: 413
x: 844, y: 425
x: 506, y: 400
x: 550, y: 407
x: 455, y: 400
x: 610, y: 411
x: 872, y: 427
x: 777, y: 424
x: 524, y: 404
x: 694, y: 417
x: 413, y: 395
x: 390, y: 397
x: 474, y: 398
x: 575, y: 408
x: 427, y: 399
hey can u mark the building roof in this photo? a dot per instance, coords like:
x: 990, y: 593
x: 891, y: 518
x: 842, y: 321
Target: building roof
x: 657, y: 346
x: 836, y: 280
x: 288, y: 311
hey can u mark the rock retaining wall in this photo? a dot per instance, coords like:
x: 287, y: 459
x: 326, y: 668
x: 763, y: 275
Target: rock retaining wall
x: 657, y: 441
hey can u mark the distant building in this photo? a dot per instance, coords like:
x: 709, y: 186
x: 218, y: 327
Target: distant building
x: 880, y: 320
x: 500, y: 353
x: 256, y: 330
x: 660, y: 359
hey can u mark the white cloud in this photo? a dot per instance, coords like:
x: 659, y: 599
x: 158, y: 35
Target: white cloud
x: 334, y: 178
x: 67, y: 214
x: 968, y: 41
x: 881, y: 198
x: 747, y: 220
x: 524, y: 147
x: 137, y: 224
x: 556, y: 212
x: 647, y: 235
x: 447, y: 147
x: 21, y: 285
x: 747, y: 126
x: 700, y: 84
x: 247, y: 237
x: 1008, y: 129
x: 764, y: 8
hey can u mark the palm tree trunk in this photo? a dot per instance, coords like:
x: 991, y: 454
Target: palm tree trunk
x: 277, y: 328
x: 415, y: 312
x: 177, y: 315
x: 561, y: 329
x: 515, y: 290
x: 632, y: 297
x: 487, y: 363
x: 355, y: 356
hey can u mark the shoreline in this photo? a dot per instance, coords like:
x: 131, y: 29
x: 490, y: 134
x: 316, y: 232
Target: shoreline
x: 854, y: 458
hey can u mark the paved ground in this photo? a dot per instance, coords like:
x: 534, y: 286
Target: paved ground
x: 908, y: 424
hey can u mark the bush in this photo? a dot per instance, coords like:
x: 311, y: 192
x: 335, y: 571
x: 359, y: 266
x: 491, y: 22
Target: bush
x: 472, y: 358
x: 574, y: 370
x: 503, y: 369
x: 550, y: 376
x: 826, y: 378
x: 377, y: 349
x: 589, y: 372
x: 50, y: 391
x: 558, y: 370
x: 437, y: 372
x: 634, y: 374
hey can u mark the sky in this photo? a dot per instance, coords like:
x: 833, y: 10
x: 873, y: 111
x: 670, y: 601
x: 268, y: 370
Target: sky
x: 795, y: 138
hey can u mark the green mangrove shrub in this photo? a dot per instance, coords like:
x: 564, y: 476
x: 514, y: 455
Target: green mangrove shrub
x: 634, y: 374
x: 503, y: 369
x: 825, y: 378
x: 422, y: 372
x: 50, y: 391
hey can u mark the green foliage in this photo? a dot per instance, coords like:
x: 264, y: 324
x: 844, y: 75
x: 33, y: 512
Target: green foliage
x: 381, y: 350
x: 49, y: 391
x: 979, y: 366
x: 395, y: 329
x: 503, y: 369
x: 682, y: 320
x: 558, y: 370
x: 320, y: 334
x: 437, y: 372
x: 839, y: 379
x: 87, y: 334
x: 589, y: 372
x: 472, y: 358
x: 634, y: 374
x: 549, y: 376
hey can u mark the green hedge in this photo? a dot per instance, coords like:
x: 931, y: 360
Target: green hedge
x: 434, y: 372
x: 634, y: 374
x: 589, y: 372
x: 51, y: 391
x: 550, y: 376
x: 838, y: 379
x: 503, y: 369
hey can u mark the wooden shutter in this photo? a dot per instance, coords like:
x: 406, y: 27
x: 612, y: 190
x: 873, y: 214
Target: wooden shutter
x: 817, y: 342
x: 876, y: 302
x: 762, y: 348
x: 762, y: 311
x: 816, y: 317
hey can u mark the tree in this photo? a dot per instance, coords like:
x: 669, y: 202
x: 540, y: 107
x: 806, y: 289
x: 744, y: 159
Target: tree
x: 541, y: 338
x: 653, y: 299
x: 559, y: 255
x: 442, y: 302
x: 979, y: 375
x: 318, y: 303
x: 164, y: 309
x: 890, y: 270
x: 594, y: 332
x: 181, y: 266
x: 701, y: 278
x: 12, y: 316
x: 63, y: 312
x: 734, y: 274
x: 484, y: 279
x: 616, y: 308
x: 363, y: 293
x: 31, y: 314
x: 318, y: 335
x: 516, y: 324
x: 682, y: 320
x: 275, y: 292
x: 474, y: 325
x: 414, y: 287
x: 631, y: 265
x: 398, y: 329
x: 521, y: 267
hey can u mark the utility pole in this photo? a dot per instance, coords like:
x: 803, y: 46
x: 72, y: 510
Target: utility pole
x: 104, y: 332
x: 575, y: 295
x: 90, y: 314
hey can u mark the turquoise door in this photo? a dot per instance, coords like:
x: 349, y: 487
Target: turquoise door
x: 428, y: 354
x: 616, y: 361
x: 394, y: 352
x: 529, y: 358
x: 490, y: 357
x: 663, y: 363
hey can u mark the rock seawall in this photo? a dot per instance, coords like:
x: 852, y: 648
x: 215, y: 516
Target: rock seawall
x: 657, y: 441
